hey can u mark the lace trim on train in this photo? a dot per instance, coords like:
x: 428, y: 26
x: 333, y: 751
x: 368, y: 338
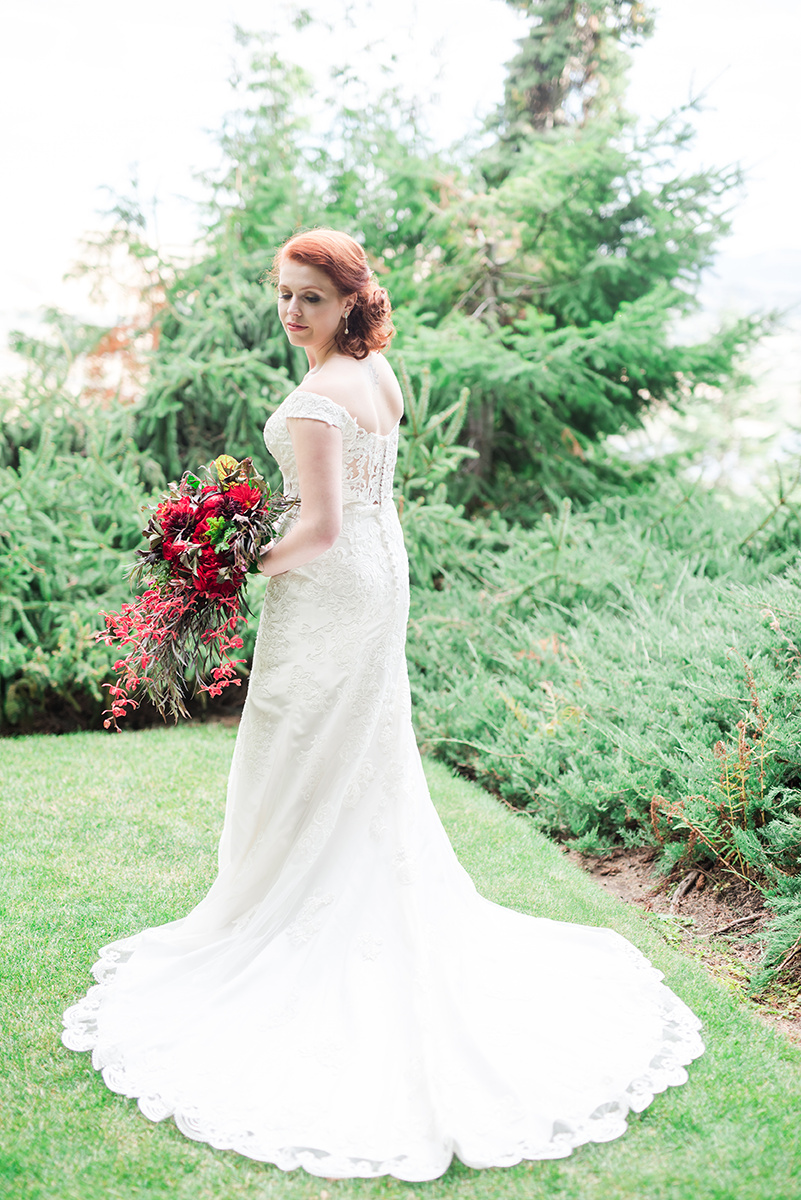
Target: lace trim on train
x: 681, y: 1043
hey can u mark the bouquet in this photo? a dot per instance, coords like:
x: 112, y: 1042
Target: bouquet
x: 203, y: 539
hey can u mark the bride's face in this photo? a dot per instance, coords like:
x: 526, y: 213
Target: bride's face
x: 310, y: 307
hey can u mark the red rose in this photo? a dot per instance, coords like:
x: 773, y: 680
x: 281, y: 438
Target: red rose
x: 212, y: 506
x: 206, y: 577
x: 172, y: 548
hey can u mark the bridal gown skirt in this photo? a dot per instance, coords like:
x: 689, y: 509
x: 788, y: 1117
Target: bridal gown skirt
x: 342, y: 999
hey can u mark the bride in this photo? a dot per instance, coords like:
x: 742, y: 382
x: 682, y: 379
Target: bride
x: 342, y: 999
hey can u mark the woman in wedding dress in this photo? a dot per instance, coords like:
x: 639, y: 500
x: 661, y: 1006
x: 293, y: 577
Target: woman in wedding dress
x: 342, y: 999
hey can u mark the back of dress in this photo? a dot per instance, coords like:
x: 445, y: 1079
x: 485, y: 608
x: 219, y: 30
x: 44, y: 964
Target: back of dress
x: 328, y: 691
x: 368, y: 459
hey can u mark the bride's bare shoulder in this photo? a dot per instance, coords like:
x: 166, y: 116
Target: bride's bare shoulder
x: 388, y: 384
x: 339, y: 374
x: 367, y: 388
x: 383, y: 370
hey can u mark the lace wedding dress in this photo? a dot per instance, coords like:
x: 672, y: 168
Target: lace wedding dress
x: 343, y: 1000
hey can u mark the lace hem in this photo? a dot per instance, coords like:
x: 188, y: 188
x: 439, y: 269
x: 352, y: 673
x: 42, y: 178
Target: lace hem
x: 681, y: 1043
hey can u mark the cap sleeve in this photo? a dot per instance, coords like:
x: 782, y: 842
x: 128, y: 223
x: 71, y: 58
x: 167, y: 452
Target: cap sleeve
x: 314, y: 406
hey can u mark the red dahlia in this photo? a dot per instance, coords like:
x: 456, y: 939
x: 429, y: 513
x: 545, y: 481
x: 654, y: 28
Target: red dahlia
x: 203, y: 539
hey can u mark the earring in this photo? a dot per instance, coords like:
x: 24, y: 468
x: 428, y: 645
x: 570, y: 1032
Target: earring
x: 346, y: 321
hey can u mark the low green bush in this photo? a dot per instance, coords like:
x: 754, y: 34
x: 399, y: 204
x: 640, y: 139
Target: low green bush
x: 72, y: 487
x: 627, y: 675
x: 68, y: 527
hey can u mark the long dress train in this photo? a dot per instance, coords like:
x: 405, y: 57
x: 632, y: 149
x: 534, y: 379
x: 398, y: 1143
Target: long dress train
x: 343, y: 999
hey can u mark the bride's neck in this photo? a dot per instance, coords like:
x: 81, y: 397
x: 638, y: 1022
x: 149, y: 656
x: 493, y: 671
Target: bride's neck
x: 318, y: 358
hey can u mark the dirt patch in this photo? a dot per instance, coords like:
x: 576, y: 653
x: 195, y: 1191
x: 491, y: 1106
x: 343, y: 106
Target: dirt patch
x: 710, y: 915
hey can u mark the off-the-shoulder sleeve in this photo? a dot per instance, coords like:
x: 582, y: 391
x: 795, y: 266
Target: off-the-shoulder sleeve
x: 311, y: 404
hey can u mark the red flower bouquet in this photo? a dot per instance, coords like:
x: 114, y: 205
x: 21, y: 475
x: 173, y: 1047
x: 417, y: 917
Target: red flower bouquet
x: 204, y: 538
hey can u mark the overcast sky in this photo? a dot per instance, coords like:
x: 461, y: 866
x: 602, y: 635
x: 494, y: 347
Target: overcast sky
x: 91, y: 90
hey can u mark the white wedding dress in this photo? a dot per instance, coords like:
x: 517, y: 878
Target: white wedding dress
x: 343, y: 1000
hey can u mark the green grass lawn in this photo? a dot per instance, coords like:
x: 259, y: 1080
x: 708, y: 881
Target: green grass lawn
x: 103, y: 835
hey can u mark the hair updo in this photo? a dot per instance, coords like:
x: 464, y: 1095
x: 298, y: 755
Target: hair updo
x: 344, y: 262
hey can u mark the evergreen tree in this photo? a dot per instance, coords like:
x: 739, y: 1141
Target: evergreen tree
x: 570, y: 65
x: 545, y: 276
x: 223, y: 361
x: 572, y: 244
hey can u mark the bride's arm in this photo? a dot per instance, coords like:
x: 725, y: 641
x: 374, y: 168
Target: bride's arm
x: 318, y: 455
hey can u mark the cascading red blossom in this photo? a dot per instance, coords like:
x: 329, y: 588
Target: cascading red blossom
x: 204, y: 538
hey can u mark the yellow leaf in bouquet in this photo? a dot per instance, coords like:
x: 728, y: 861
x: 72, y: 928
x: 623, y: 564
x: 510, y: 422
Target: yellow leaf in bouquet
x: 226, y: 466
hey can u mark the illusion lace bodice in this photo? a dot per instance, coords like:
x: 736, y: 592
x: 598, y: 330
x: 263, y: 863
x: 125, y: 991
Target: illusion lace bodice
x: 368, y: 459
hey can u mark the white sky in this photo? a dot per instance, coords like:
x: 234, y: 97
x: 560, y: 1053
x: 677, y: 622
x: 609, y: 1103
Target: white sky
x: 746, y: 58
x: 91, y: 89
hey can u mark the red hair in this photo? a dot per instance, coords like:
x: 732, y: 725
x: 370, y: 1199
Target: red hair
x: 344, y: 262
